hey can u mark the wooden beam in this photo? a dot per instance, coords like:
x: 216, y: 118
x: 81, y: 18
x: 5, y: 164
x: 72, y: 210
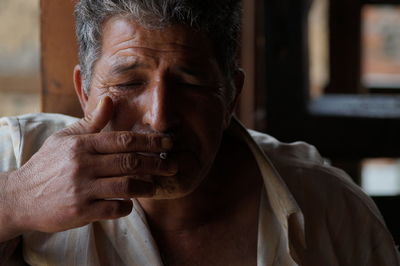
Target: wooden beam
x: 286, y: 70
x: 59, y: 56
x: 345, y: 46
x: 248, y: 63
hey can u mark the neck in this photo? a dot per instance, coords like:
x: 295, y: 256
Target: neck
x: 233, y: 181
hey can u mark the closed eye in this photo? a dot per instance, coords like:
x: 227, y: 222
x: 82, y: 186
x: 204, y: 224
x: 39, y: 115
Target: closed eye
x: 128, y: 86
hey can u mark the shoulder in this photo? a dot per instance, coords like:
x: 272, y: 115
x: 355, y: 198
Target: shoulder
x: 302, y: 167
x: 23, y: 135
x: 308, y: 175
x: 339, y: 217
x: 298, y: 153
x: 51, y: 121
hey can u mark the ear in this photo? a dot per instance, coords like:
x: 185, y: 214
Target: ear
x: 78, y: 84
x: 238, y: 82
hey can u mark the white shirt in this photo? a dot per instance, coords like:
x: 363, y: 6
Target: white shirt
x: 310, y: 213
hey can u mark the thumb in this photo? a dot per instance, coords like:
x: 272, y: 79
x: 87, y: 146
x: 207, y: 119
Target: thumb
x: 95, y: 121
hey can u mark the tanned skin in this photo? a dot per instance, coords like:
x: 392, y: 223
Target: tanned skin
x: 152, y: 91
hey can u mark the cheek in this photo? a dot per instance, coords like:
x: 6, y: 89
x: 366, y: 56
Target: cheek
x: 210, y: 107
x: 207, y: 119
x: 126, y: 113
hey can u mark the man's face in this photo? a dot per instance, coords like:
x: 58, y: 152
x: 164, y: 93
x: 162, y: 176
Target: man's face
x: 164, y: 82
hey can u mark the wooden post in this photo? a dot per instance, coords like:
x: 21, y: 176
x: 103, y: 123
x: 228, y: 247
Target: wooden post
x: 248, y: 63
x: 59, y: 56
x: 345, y: 47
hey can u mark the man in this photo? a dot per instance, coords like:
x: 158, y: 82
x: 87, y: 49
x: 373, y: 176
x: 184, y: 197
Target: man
x: 159, y: 172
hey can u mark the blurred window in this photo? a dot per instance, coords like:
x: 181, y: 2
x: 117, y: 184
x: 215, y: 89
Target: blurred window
x: 381, y: 74
x: 381, y: 177
x: 381, y: 47
x: 19, y: 57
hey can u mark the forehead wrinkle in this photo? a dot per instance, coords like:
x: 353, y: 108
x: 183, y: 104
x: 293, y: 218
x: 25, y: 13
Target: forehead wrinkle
x: 132, y: 50
x: 190, y: 65
x: 146, y: 56
x: 118, y: 68
x: 136, y: 59
x: 139, y: 42
x: 123, y: 32
x: 122, y: 46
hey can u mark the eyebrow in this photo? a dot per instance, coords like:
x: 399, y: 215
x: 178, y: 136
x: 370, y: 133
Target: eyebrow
x: 119, y: 68
x: 192, y: 71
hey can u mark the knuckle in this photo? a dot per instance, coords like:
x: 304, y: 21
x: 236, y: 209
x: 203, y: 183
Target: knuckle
x: 75, y: 126
x: 122, y: 187
x: 55, y: 140
x: 78, y: 165
x: 75, y: 143
x: 75, y: 151
x: 135, y: 162
x: 87, y: 122
x: 76, y: 210
x: 125, y: 139
x: 151, y: 142
x: 129, y: 162
x: 75, y: 169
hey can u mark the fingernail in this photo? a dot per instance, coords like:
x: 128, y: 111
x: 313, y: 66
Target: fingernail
x: 166, y: 143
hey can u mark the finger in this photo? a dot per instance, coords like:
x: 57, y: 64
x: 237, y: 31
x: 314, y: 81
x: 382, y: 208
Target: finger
x: 127, y: 141
x: 122, y: 187
x: 109, y: 209
x: 132, y: 164
x: 93, y: 122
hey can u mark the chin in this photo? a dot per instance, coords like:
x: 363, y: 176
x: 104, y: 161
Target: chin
x: 175, y: 187
x: 191, y: 174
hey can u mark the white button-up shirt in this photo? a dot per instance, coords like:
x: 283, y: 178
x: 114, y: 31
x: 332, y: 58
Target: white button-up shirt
x: 310, y: 213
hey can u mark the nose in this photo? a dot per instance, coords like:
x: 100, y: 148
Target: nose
x: 160, y: 115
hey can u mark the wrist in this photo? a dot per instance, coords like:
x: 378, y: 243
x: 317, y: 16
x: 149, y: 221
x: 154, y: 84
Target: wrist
x: 10, y: 226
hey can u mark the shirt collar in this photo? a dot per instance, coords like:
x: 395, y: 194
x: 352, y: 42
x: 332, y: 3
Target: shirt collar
x: 282, y: 202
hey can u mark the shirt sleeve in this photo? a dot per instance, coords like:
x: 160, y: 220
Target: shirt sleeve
x: 9, y: 144
x: 343, y: 223
x: 9, y: 138
x: 385, y: 253
x: 20, y: 138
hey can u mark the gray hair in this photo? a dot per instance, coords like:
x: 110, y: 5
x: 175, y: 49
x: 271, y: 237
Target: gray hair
x: 219, y: 19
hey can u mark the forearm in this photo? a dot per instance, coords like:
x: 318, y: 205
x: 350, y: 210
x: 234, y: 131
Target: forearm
x: 8, y: 226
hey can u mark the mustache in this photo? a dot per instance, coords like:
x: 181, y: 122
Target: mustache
x: 151, y: 132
